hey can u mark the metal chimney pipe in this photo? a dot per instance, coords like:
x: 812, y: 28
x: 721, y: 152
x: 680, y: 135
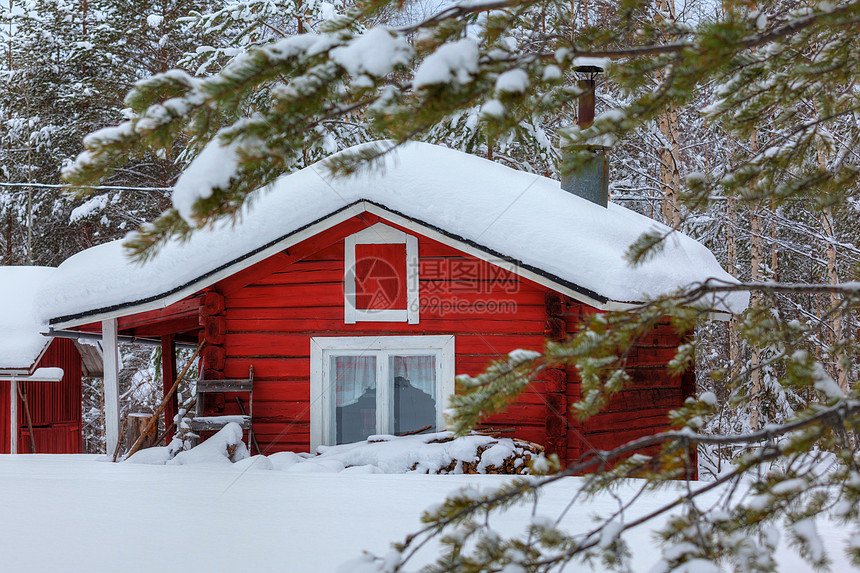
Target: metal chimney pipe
x: 585, y: 113
x: 591, y: 180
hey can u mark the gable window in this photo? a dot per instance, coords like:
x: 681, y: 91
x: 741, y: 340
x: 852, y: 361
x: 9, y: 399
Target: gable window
x: 380, y: 276
x: 362, y: 386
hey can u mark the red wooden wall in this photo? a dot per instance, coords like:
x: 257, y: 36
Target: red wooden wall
x: 641, y: 409
x: 271, y: 311
x: 269, y: 323
x: 55, y: 407
x: 4, y: 417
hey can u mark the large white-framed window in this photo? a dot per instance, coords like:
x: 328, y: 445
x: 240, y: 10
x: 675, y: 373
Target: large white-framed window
x: 380, y: 282
x: 366, y: 385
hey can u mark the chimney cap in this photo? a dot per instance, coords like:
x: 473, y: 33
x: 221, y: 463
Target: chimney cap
x: 587, y: 65
x: 585, y: 69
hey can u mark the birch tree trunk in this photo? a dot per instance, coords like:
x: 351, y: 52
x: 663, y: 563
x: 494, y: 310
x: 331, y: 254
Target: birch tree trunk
x: 756, y: 259
x: 837, y: 321
x: 732, y: 262
x: 841, y: 367
x: 670, y: 174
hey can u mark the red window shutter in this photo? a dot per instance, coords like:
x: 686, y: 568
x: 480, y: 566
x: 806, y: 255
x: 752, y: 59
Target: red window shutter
x: 380, y: 277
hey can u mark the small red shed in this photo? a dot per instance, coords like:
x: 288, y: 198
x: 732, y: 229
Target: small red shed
x: 40, y: 377
x: 356, y: 301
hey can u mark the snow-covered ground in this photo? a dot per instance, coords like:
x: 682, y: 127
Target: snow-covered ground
x: 80, y: 513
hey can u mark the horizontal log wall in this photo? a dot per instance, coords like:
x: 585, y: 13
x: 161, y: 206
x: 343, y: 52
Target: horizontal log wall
x: 269, y: 323
x: 642, y: 408
x: 273, y: 309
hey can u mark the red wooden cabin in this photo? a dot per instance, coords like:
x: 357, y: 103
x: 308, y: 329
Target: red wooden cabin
x: 357, y: 301
x: 40, y: 377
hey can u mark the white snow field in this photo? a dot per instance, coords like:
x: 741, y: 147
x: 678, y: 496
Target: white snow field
x: 84, y: 514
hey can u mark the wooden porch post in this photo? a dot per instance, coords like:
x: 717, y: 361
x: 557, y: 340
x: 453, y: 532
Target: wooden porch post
x: 13, y: 416
x: 111, y: 383
x: 168, y: 376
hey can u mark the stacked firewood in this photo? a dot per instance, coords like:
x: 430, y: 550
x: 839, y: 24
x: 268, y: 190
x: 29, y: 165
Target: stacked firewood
x: 516, y: 463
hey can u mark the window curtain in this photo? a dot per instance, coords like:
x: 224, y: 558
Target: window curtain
x: 353, y: 375
x: 419, y: 370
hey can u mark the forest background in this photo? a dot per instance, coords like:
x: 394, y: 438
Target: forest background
x: 69, y: 65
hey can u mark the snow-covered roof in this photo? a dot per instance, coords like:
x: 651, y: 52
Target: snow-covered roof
x: 494, y: 211
x: 20, y: 341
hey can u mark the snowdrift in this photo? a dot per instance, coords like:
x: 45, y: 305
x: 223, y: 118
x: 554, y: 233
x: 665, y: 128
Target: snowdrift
x: 435, y: 453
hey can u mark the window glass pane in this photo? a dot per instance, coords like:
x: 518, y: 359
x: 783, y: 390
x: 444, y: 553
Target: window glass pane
x: 354, y: 380
x: 413, y: 401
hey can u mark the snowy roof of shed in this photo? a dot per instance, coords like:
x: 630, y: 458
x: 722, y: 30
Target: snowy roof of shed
x: 21, y: 343
x: 490, y: 210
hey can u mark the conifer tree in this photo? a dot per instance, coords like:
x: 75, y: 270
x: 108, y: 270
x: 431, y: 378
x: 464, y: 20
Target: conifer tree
x: 69, y: 67
x: 51, y: 76
x: 775, y: 85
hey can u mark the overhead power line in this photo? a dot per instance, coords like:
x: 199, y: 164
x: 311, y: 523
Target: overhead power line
x: 94, y: 187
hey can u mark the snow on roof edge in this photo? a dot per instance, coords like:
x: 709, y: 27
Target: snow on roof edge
x: 581, y: 293
x: 53, y: 321
x: 41, y: 374
x: 560, y: 284
x: 523, y: 217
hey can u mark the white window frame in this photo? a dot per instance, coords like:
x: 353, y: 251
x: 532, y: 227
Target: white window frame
x: 380, y: 234
x: 322, y: 431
